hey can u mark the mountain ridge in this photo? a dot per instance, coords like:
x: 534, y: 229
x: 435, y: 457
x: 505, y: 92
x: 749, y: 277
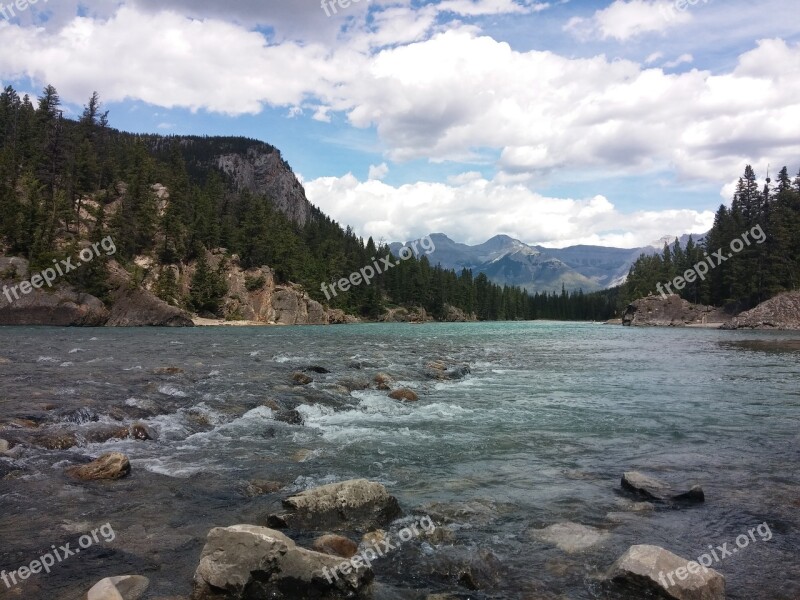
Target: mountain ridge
x: 508, y: 261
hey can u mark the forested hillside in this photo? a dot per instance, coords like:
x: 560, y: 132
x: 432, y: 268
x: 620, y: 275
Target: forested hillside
x: 752, y: 251
x: 63, y: 182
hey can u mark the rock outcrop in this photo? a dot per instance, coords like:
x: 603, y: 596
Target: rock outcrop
x: 249, y: 562
x: 60, y: 305
x: 353, y: 504
x: 780, y: 312
x: 672, y: 311
x: 262, y: 171
x: 134, y: 306
x: 644, y: 570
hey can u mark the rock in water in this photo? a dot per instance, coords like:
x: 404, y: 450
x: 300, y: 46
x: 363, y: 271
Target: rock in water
x: 571, y: 537
x: 245, y: 561
x: 335, y: 545
x: 301, y: 378
x: 109, y: 466
x: 647, y: 569
x: 353, y: 504
x: 659, y: 491
x: 125, y: 587
x: 405, y: 395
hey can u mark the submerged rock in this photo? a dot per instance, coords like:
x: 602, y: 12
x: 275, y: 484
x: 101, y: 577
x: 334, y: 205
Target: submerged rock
x: 55, y: 440
x: 571, y: 537
x: 648, y: 569
x: 299, y: 378
x: 404, y: 394
x: 438, y: 369
x: 125, y: 587
x: 659, y: 491
x: 112, y: 465
x: 353, y: 504
x: 335, y: 545
x: 259, y: 487
x: 292, y: 417
x: 382, y: 381
x: 248, y: 562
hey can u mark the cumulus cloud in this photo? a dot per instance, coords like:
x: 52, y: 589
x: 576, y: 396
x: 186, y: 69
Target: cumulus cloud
x: 478, y: 209
x: 378, y: 172
x: 625, y: 19
x: 454, y: 96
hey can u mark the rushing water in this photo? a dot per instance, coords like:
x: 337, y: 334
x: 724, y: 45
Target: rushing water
x: 539, y: 433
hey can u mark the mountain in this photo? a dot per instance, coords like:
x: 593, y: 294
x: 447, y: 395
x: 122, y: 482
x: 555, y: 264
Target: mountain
x: 507, y: 261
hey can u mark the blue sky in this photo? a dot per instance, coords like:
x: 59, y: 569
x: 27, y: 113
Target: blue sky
x: 558, y: 122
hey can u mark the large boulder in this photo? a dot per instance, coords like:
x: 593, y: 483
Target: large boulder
x: 255, y: 563
x: 648, y: 569
x: 112, y: 465
x: 780, y: 312
x: 125, y: 587
x: 353, y: 504
x: 670, y: 311
x: 656, y: 490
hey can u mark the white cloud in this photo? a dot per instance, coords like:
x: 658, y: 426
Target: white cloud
x: 626, y: 19
x: 682, y: 59
x: 453, y: 96
x: 478, y: 209
x: 378, y: 172
x: 655, y: 56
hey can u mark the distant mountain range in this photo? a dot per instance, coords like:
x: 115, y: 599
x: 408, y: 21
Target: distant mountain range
x: 507, y: 261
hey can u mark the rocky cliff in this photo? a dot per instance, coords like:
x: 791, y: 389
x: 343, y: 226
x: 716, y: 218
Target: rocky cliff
x: 672, y: 311
x: 262, y: 171
x: 780, y: 312
x: 253, y: 295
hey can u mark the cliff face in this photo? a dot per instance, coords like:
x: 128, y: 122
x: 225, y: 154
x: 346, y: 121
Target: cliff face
x: 253, y: 296
x: 780, y: 312
x: 261, y: 170
x: 672, y: 311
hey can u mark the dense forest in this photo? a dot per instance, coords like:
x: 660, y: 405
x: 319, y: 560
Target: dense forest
x: 59, y: 179
x: 754, y: 247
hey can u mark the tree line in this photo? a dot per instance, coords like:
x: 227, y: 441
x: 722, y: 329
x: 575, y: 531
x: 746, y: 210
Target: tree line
x: 64, y: 181
x: 745, y: 272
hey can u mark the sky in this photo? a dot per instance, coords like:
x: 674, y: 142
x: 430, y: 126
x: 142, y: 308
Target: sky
x: 555, y: 122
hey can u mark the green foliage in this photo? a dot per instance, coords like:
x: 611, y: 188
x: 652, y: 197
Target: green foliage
x: 747, y: 277
x: 208, y: 287
x: 53, y: 171
x: 253, y: 284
